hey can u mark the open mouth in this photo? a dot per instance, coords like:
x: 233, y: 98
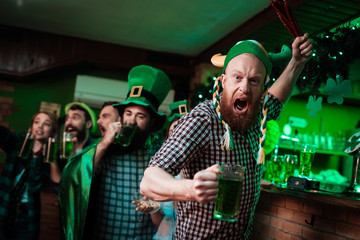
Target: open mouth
x: 240, y: 105
x: 102, y: 129
x: 71, y: 130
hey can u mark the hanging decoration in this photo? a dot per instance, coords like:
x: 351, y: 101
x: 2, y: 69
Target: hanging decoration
x: 314, y: 105
x: 337, y: 90
x: 286, y: 17
x: 334, y: 52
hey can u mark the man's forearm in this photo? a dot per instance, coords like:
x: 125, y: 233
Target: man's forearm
x: 161, y: 186
x: 101, y: 149
x: 284, y: 85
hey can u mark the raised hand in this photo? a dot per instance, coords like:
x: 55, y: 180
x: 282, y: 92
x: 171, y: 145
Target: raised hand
x: 302, y: 48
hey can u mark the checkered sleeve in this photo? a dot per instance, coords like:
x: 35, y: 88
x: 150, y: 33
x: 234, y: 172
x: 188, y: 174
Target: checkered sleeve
x: 190, y: 135
x: 274, y: 107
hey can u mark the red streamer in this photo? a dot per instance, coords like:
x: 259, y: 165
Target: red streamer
x: 286, y: 17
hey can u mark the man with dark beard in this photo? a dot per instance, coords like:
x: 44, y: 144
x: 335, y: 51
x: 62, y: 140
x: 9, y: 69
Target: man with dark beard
x: 227, y: 130
x: 98, y: 185
x: 80, y: 121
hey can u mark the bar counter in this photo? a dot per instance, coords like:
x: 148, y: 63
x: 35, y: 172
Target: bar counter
x: 284, y: 213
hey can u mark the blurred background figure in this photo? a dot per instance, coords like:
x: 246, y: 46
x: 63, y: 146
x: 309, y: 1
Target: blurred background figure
x: 108, y: 115
x: 167, y: 219
x: 23, y: 176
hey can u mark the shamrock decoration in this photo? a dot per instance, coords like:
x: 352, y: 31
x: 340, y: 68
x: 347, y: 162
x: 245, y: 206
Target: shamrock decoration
x: 313, y: 105
x: 336, y: 90
x: 353, y: 143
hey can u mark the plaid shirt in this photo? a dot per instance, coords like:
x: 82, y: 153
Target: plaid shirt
x: 118, y: 180
x: 39, y: 174
x: 195, y: 145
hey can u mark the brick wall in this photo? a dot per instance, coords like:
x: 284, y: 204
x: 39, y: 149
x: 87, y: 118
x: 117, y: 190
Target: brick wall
x: 280, y: 217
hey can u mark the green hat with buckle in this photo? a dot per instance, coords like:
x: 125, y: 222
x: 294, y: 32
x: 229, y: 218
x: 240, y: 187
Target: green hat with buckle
x: 148, y: 87
x: 88, y: 110
x: 178, y: 109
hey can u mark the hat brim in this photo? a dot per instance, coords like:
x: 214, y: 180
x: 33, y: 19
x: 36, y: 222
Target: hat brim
x: 159, y: 117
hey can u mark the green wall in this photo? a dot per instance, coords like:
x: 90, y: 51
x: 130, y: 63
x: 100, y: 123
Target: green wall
x: 28, y: 96
x: 332, y: 118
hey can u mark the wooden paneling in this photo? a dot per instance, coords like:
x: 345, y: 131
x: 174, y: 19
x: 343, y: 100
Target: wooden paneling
x: 33, y: 52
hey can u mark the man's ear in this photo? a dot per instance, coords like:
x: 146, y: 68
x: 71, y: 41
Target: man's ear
x: 88, y: 124
x: 223, y: 80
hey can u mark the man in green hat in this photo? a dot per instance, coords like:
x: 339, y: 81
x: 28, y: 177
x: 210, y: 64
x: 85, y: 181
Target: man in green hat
x: 113, y: 172
x: 80, y: 121
x: 226, y: 129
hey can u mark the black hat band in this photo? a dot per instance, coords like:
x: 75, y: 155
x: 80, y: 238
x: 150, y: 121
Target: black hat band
x: 182, y: 109
x: 138, y: 91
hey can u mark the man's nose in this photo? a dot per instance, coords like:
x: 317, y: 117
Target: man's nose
x: 244, y: 86
x: 131, y: 120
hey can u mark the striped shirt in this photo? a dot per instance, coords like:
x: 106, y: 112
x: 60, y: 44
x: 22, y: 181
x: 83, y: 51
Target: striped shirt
x: 195, y: 145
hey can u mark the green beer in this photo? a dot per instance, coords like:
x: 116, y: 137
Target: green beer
x: 228, y: 198
x: 276, y: 168
x: 66, y: 148
x: 289, y: 165
x: 51, y: 149
x: 126, y: 134
x: 306, y: 159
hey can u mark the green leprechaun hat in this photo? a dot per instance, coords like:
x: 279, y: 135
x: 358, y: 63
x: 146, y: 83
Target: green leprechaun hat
x: 178, y: 109
x: 148, y: 87
x: 88, y: 110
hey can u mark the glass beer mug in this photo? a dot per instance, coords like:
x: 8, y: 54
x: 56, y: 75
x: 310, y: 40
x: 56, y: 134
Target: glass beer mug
x: 125, y: 135
x: 66, y: 146
x: 50, y: 150
x: 26, y: 148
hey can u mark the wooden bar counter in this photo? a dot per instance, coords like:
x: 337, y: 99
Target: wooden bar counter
x: 284, y: 213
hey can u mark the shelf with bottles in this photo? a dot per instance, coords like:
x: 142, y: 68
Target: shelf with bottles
x: 323, y: 144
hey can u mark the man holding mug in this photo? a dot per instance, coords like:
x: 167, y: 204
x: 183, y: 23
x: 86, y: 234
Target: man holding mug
x: 112, y: 172
x: 227, y: 130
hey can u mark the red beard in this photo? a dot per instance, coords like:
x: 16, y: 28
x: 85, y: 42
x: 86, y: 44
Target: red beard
x: 238, y: 122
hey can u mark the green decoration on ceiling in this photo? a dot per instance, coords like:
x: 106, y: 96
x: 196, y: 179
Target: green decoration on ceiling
x: 334, y: 52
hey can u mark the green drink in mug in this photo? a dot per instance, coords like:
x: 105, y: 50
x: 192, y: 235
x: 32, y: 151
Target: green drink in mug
x: 66, y: 146
x: 51, y: 149
x: 289, y: 162
x: 276, y: 168
x: 125, y: 135
x: 307, y: 153
x: 227, y: 204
